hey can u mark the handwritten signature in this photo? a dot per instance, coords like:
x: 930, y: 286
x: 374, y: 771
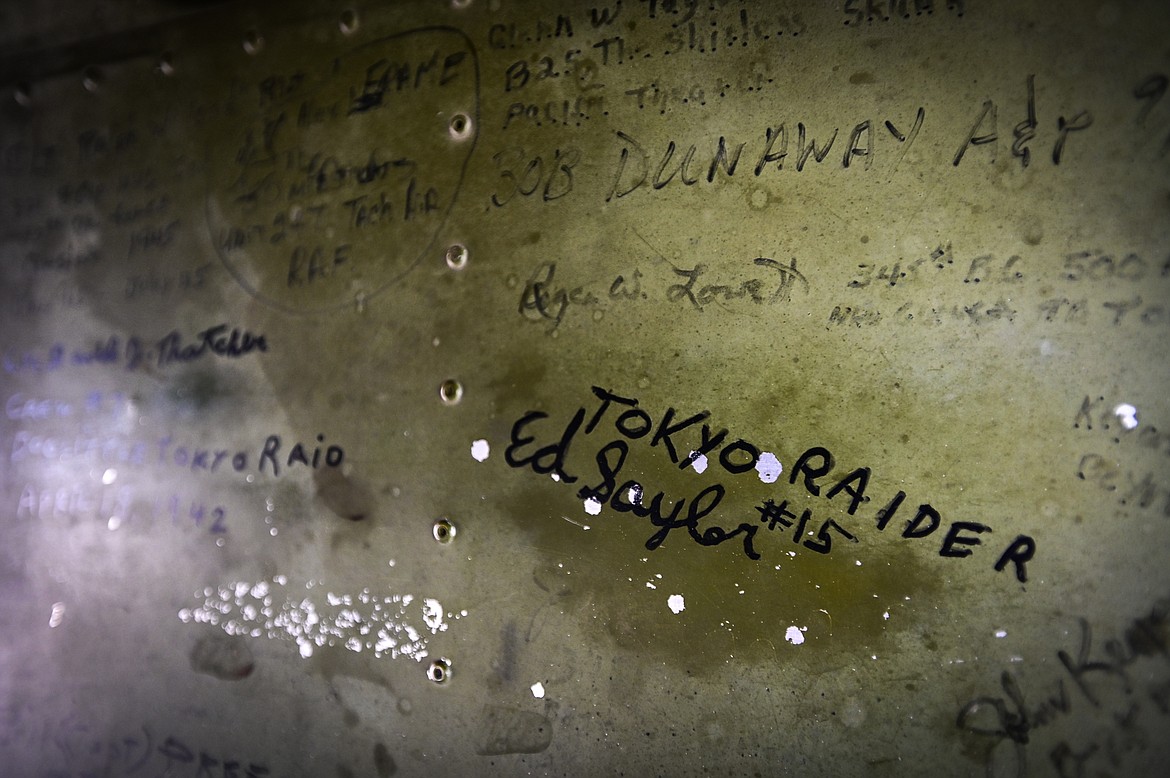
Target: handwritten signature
x: 544, y: 299
x: 1012, y: 719
x: 134, y: 352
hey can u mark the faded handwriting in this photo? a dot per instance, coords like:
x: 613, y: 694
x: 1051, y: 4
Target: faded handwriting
x: 116, y: 507
x: 577, y: 47
x: 133, y: 353
x: 1098, y: 676
x: 120, y: 449
x: 87, y: 751
x: 544, y: 299
x: 864, y: 12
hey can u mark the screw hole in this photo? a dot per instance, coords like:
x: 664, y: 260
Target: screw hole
x: 439, y: 671
x: 253, y: 42
x: 348, y: 22
x: 456, y: 256
x: 450, y: 391
x: 444, y: 531
x: 166, y: 64
x: 91, y: 79
x: 460, y: 126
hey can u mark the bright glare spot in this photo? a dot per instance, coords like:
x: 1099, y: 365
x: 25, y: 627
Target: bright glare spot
x: 433, y: 614
x: 769, y: 467
x: 480, y: 450
x: 1127, y: 414
x: 675, y: 603
x: 537, y: 690
x: 1001, y: 633
x: 593, y: 506
x: 699, y: 463
x: 114, y: 523
x: 794, y: 635
x: 109, y: 476
x: 57, y: 614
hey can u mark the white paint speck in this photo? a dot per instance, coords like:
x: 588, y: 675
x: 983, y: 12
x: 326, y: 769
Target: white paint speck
x: 109, y: 476
x: 57, y: 614
x: 480, y: 450
x: 675, y: 603
x: 794, y: 635
x: 769, y: 467
x: 1001, y: 633
x: 634, y: 495
x: 1127, y: 414
x: 650, y: 585
x: 593, y: 506
x: 886, y: 615
x: 537, y: 690
x: 699, y: 462
x: 555, y: 477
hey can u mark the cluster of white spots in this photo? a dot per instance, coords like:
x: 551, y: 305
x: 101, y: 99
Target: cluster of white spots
x: 698, y: 461
x: 650, y: 584
x: 634, y: 495
x: 1127, y: 415
x: 384, y: 625
x: 676, y: 603
x: 769, y: 467
x: 57, y: 614
x: 593, y: 506
x: 480, y: 450
x: 537, y: 690
x: 795, y: 634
